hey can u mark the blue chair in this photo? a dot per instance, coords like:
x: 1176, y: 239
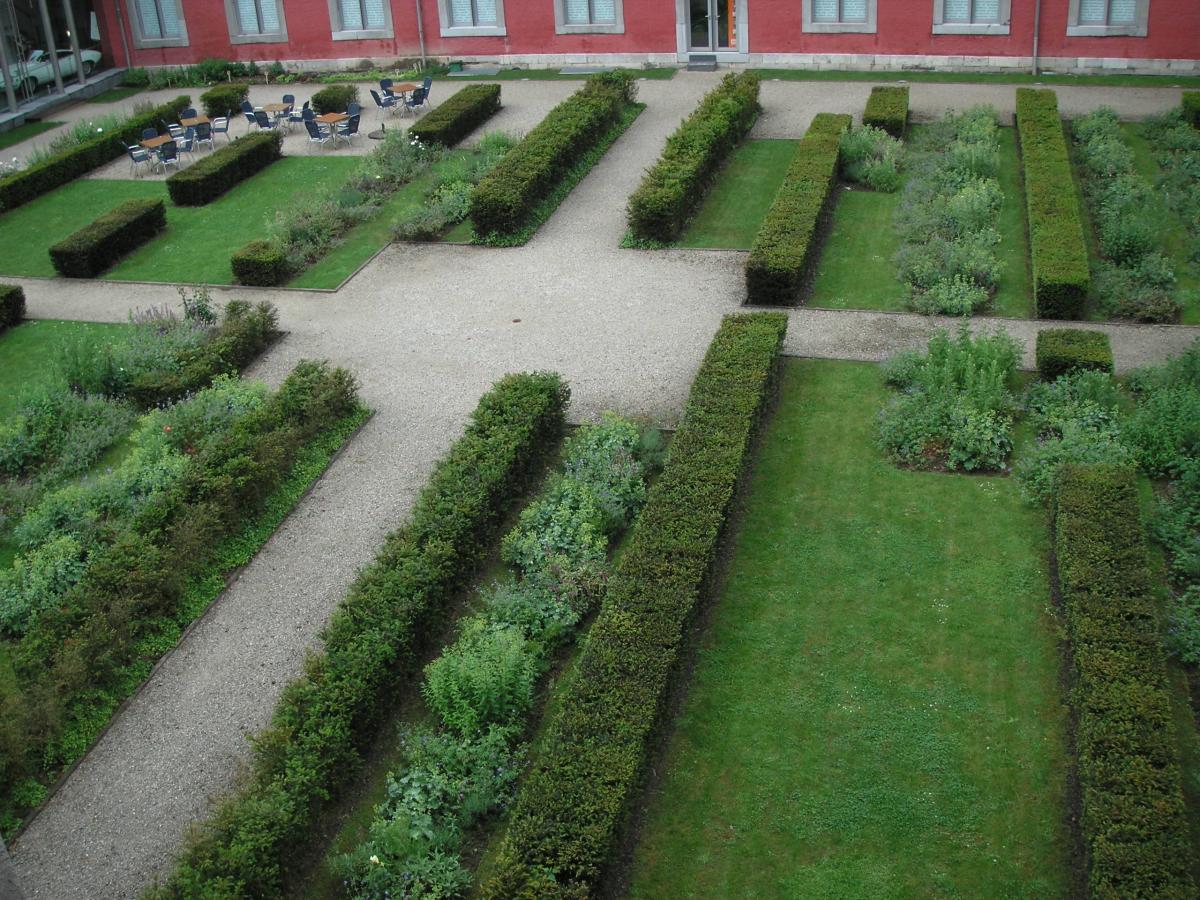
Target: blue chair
x: 385, y: 85
x: 204, y: 135
x: 187, y: 143
x: 427, y: 84
x: 168, y: 155
x: 149, y: 134
x: 189, y: 113
x: 415, y: 100
x: 353, y: 109
x: 220, y: 125
x: 263, y: 121
x: 315, y: 134
x: 296, y: 117
x: 348, y: 130
x: 138, y: 157
x: 176, y: 131
x: 307, y: 114
x: 248, y: 112
x: 385, y: 103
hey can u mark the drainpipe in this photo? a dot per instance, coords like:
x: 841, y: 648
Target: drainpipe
x: 9, y: 92
x: 121, y: 31
x: 51, y: 48
x: 74, y: 36
x: 1037, y: 22
x: 421, y: 33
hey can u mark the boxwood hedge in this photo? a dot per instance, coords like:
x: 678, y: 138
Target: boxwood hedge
x: 261, y: 263
x: 334, y: 99
x: 786, y: 245
x: 1060, y: 259
x: 672, y: 189
x: 42, y: 177
x: 1062, y: 350
x: 504, y: 200
x: 1191, y: 107
x: 12, y: 305
x: 458, y: 116
x: 211, y: 176
x: 223, y: 99
x: 887, y: 108
x: 572, y: 805
x: 373, y: 641
x: 96, y: 246
x: 1133, y: 820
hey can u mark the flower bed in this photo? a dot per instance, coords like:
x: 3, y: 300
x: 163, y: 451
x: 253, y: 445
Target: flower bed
x: 458, y: 116
x: 1190, y: 104
x: 573, y: 802
x: 97, y: 246
x: 1177, y: 147
x: 887, y: 108
x: 211, y: 176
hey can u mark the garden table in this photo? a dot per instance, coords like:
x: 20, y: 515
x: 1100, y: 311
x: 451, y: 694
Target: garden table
x: 331, y: 118
x: 194, y: 121
x: 155, y: 142
x: 276, y: 107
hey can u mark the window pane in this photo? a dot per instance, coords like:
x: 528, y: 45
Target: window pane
x: 351, y: 15
x: 825, y: 10
x: 485, y: 12
x: 577, y: 12
x: 374, y: 10
x: 604, y: 11
x: 957, y: 11
x: 270, y: 16
x: 172, y: 26
x: 987, y: 11
x: 460, y: 12
x: 147, y: 11
x: 1122, y: 12
x: 247, y: 16
x: 854, y: 10
x: 1091, y: 12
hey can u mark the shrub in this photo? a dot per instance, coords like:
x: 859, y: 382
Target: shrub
x: 572, y: 803
x: 211, y: 176
x: 1060, y: 260
x: 223, y: 99
x: 95, y: 247
x: 503, y: 201
x: 887, y: 108
x: 1062, y: 350
x: 673, y: 187
x: 1190, y: 104
x: 1164, y: 427
x: 457, y: 116
x: 1133, y: 818
x: 786, y: 245
x: 375, y: 638
x: 334, y: 99
x: 872, y: 157
x: 44, y: 176
x: 12, y: 305
x: 261, y: 262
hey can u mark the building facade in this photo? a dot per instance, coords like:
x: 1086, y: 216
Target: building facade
x: 983, y: 35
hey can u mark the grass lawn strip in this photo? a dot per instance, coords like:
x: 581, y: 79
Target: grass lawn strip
x: 25, y: 132
x: 857, y: 268
x: 26, y: 350
x: 1015, y: 292
x: 911, y: 76
x: 875, y: 710
x: 734, y: 208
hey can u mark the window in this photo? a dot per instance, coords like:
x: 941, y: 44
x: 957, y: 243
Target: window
x: 588, y: 16
x: 355, y: 20
x: 1104, y: 18
x: 839, y: 15
x: 255, y: 21
x: 157, y: 23
x: 971, y: 16
x: 472, y: 17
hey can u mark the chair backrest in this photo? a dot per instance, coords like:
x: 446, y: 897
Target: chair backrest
x: 314, y: 132
x: 306, y: 104
x: 385, y: 84
x: 220, y: 125
x: 375, y: 96
x: 168, y: 150
x: 137, y: 154
x: 189, y: 113
x: 176, y: 130
x: 352, y: 125
x: 289, y: 98
x: 148, y: 133
x: 353, y: 109
x: 427, y: 83
x: 307, y: 114
x: 262, y: 119
x: 417, y: 97
x: 247, y: 106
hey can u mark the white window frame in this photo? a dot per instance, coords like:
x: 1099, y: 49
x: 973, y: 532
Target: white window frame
x: 867, y: 26
x: 141, y: 41
x: 237, y: 36
x: 1138, y: 28
x: 1001, y: 26
x: 450, y: 30
x: 341, y: 33
x: 562, y: 26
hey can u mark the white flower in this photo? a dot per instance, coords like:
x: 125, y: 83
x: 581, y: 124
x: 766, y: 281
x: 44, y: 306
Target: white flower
x: 98, y: 130
x: 375, y: 861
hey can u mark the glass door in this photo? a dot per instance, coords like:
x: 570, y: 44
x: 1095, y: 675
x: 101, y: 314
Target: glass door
x: 711, y: 24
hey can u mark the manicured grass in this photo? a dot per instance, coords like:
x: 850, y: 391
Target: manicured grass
x: 1014, y: 297
x: 25, y: 132
x: 661, y: 73
x: 27, y: 355
x: 1174, y: 235
x: 198, y: 241
x: 856, y: 268
x: 116, y: 95
x: 1023, y: 78
x: 875, y: 708
x: 738, y: 202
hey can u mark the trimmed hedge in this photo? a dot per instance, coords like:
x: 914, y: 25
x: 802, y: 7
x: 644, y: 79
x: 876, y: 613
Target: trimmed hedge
x: 374, y: 640
x: 224, y: 98
x: 785, y: 247
x: 1134, y: 822
x: 12, y: 305
x: 458, y: 116
x: 1062, y: 350
x: 573, y: 802
x: 1060, y: 260
x: 334, y: 99
x: 672, y: 189
x: 211, y: 176
x: 887, y: 108
x: 43, y: 177
x: 1191, y: 107
x: 503, y: 201
x: 261, y: 263
x: 95, y: 247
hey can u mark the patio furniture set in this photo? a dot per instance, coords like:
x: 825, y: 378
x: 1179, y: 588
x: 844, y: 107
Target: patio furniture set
x: 157, y: 151
x: 403, y: 98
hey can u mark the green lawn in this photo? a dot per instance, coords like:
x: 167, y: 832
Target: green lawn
x: 875, y: 708
x: 737, y: 203
x: 27, y: 355
x: 658, y: 73
x: 1022, y: 78
x: 116, y: 95
x: 25, y: 132
x: 1014, y: 297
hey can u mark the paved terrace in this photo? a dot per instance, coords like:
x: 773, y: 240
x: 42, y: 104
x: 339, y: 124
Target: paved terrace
x: 426, y: 328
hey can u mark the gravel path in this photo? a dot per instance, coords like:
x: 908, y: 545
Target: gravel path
x: 427, y: 328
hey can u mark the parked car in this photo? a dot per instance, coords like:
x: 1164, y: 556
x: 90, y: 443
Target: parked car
x: 38, y: 72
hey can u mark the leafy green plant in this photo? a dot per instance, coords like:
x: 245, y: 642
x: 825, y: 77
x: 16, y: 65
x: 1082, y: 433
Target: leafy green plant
x: 872, y: 157
x: 223, y: 99
x: 334, y: 99
x: 485, y: 678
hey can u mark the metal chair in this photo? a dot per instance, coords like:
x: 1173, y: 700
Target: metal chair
x: 427, y: 84
x: 187, y: 143
x: 353, y: 109
x: 189, y: 113
x: 263, y: 121
x: 415, y: 100
x: 315, y: 134
x: 138, y: 157
x: 385, y: 103
x: 296, y: 116
x: 203, y: 135
x: 348, y: 130
x: 248, y: 111
x: 168, y: 155
x: 385, y: 85
x: 149, y: 134
x: 220, y: 125
x: 176, y: 131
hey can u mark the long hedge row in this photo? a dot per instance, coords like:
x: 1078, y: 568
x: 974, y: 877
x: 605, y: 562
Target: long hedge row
x: 43, y: 177
x: 98, y: 245
x: 12, y: 306
x: 374, y: 639
x: 673, y: 187
x: 786, y: 245
x: 211, y: 176
x: 458, y: 116
x: 76, y: 663
x: 574, y: 801
x: 503, y: 201
x: 1060, y: 258
x: 1134, y: 823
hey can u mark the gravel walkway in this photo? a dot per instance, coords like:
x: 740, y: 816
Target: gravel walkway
x: 426, y: 328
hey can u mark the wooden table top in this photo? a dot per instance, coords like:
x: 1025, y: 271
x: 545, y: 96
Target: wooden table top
x: 275, y: 107
x: 193, y: 122
x: 332, y: 118
x: 404, y: 88
x: 155, y: 142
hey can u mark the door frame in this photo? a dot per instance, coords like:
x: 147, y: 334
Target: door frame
x: 739, y: 53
